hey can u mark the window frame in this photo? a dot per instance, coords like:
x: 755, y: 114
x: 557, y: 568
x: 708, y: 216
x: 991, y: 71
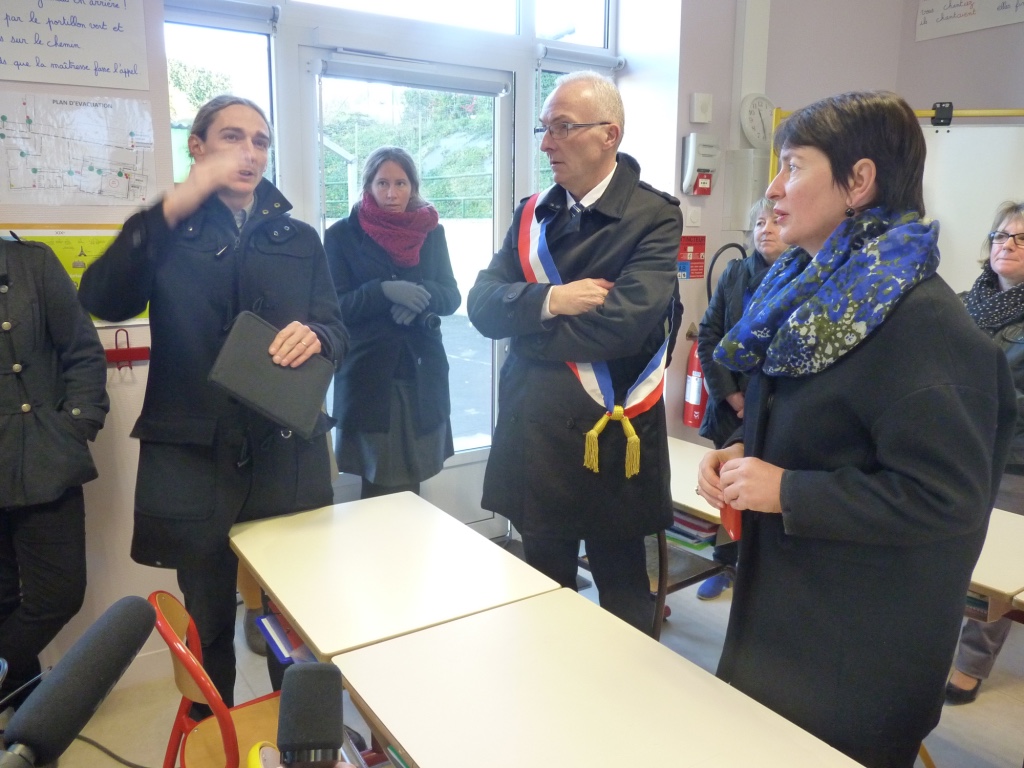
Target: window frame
x: 302, y: 35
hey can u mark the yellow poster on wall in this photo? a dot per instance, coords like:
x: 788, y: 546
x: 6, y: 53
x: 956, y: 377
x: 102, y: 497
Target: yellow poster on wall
x: 76, y: 245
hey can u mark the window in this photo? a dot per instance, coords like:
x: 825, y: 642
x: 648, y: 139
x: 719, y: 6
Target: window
x: 450, y: 135
x: 584, y: 22
x: 203, y: 62
x: 489, y: 16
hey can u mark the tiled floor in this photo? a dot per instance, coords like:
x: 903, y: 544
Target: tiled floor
x: 989, y: 733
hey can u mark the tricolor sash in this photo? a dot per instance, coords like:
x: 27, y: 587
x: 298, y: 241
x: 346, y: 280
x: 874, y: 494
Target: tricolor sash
x: 539, y: 267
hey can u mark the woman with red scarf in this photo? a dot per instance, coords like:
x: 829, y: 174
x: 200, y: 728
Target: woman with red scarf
x: 389, y: 260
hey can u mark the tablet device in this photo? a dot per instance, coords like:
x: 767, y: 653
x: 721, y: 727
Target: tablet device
x: 291, y: 397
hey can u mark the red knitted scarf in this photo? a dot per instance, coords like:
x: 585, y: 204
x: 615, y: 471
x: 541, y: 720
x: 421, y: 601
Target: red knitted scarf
x: 400, y: 234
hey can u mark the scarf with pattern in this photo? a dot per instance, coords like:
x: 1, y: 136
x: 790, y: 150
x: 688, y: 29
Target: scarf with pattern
x: 991, y: 306
x: 809, y: 312
x: 401, y: 234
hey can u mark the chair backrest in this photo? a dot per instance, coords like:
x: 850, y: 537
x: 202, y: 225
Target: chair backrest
x: 178, y: 630
x: 176, y: 627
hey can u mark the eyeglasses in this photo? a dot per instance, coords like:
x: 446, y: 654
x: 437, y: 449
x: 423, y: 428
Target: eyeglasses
x: 561, y: 130
x: 999, y: 237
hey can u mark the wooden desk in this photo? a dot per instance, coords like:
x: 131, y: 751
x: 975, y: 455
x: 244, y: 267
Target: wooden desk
x: 353, y: 574
x: 684, y: 458
x: 574, y: 687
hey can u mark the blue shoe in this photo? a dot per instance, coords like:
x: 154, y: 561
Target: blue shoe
x: 714, y: 586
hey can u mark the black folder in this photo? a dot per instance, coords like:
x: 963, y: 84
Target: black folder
x: 291, y: 397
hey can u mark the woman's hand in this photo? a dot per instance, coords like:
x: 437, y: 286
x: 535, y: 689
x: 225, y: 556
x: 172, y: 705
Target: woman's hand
x: 409, y: 295
x: 294, y: 345
x: 749, y: 483
x: 709, y: 483
x: 735, y: 401
x: 402, y: 315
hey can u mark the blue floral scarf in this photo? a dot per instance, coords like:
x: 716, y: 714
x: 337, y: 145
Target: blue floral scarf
x: 807, y: 313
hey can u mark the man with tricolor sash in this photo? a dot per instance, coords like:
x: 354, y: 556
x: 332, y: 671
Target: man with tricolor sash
x: 585, y: 288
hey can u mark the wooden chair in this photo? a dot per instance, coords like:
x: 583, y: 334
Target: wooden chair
x: 926, y: 759
x: 669, y: 569
x: 224, y: 739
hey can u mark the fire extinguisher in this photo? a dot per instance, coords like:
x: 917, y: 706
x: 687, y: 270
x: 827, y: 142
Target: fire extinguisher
x: 696, y: 399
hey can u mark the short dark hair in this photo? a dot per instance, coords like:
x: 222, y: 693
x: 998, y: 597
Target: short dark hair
x: 208, y: 113
x: 381, y: 155
x: 877, y: 125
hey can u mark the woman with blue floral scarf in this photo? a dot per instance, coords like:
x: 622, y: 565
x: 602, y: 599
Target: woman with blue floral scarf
x: 877, y: 422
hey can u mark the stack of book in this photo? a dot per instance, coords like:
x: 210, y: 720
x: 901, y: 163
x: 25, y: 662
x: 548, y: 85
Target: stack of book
x: 691, y: 532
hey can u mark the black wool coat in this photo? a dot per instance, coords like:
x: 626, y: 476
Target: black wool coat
x: 379, y: 346
x: 535, y: 474
x: 737, y: 283
x: 848, y: 605
x: 205, y: 460
x: 53, y: 378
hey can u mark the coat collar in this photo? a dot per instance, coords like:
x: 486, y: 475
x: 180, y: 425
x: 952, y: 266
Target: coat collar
x: 613, y: 202
x: 269, y: 203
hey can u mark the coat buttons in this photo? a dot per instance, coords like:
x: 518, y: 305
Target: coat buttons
x: 570, y: 423
x: 76, y: 411
x: 26, y: 407
x: 16, y: 367
x: 4, y: 289
x: 5, y: 325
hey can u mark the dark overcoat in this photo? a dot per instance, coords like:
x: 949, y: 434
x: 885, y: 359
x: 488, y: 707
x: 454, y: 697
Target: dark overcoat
x: 848, y: 605
x: 379, y: 345
x: 535, y: 474
x: 206, y: 461
x: 53, y: 379
x: 735, y: 287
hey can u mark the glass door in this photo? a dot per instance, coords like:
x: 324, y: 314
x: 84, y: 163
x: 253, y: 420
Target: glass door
x: 450, y: 133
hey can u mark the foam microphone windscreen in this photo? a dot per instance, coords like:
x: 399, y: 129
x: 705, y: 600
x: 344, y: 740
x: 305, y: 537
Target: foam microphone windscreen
x: 310, y: 725
x: 55, y: 712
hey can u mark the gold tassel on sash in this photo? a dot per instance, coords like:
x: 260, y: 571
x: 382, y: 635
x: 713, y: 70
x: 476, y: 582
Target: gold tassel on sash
x: 590, y: 455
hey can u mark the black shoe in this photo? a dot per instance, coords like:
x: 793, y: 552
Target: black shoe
x: 957, y: 695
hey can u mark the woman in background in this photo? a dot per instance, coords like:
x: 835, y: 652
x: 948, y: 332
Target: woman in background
x: 389, y: 260
x: 876, y: 425
x: 725, y: 387
x: 996, y: 302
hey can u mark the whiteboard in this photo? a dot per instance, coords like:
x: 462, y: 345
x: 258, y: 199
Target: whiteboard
x: 938, y: 18
x: 969, y: 171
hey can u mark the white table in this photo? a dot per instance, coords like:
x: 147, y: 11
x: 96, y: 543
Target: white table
x: 353, y: 574
x: 574, y: 687
x: 998, y: 576
x: 684, y: 458
x: 1000, y: 568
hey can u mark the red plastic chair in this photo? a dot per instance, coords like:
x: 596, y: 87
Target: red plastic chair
x: 224, y: 739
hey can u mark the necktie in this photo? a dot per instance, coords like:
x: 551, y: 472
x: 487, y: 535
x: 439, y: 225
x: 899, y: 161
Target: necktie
x: 575, y: 211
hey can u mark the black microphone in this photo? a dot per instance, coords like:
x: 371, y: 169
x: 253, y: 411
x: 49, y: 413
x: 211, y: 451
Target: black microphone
x: 309, y: 728
x: 55, y: 712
